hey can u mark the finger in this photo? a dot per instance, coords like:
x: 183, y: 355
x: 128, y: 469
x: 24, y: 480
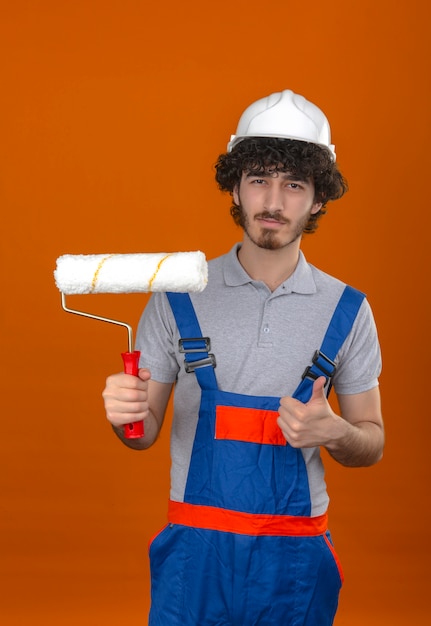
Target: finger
x: 318, y: 389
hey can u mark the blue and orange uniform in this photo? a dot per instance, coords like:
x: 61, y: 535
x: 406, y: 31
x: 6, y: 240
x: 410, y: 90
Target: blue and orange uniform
x: 242, y: 548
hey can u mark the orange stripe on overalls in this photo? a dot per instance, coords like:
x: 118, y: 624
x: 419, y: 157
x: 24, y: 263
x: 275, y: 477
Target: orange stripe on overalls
x: 216, y: 518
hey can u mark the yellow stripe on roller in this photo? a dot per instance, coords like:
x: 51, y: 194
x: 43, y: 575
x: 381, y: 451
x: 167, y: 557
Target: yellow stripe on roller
x: 96, y: 273
x: 153, y: 277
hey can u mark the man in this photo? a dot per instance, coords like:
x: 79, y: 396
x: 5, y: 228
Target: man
x: 253, y: 358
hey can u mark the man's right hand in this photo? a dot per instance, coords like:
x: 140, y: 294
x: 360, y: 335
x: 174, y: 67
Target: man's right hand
x: 126, y: 398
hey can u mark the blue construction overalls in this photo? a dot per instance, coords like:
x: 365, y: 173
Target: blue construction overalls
x: 242, y: 549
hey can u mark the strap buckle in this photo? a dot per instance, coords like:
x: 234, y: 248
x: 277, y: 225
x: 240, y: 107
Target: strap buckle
x: 191, y: 345
x: 190, y: 366
x: 195, y: 346
x: 324, y: 365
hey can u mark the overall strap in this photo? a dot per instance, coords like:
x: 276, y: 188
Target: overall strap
x: 195, y: 348
x: 323, y: 361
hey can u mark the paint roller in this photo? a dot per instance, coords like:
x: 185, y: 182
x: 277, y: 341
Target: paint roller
x: 129, y: 273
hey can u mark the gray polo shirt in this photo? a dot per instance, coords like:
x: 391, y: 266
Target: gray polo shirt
x: 262, y: 341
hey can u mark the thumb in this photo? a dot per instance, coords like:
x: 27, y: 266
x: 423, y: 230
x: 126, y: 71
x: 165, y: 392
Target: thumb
x: 318, y: 390
x: 144, y: 373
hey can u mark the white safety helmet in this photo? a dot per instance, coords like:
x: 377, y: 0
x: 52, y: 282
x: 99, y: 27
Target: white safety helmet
x: 284, y: 115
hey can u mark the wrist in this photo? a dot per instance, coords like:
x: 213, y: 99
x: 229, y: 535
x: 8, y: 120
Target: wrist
x: 341, y: 435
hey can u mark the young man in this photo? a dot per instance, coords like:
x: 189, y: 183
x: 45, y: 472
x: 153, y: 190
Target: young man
x: 247, y: 542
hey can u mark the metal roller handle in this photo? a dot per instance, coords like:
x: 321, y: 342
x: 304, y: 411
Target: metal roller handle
x: 130, y: 360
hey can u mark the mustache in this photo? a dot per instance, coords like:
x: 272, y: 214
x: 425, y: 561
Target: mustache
x: 271, y: 215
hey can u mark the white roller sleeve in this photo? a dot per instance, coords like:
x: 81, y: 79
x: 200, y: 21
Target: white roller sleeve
x: 131, y: 273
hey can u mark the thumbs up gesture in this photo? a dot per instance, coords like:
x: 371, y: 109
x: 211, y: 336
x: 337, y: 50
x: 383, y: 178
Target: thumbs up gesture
x: 310, y: 424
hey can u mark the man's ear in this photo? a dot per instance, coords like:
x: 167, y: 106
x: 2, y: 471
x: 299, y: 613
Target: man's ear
x: 316, y: 207
x: 235, y: 194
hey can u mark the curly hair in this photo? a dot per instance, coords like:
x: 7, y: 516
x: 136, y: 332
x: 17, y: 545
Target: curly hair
x: 306, y: 160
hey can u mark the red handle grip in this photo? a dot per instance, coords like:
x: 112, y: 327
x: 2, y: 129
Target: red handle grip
x: 131, y: 366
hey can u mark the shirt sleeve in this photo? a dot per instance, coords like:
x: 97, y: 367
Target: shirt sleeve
x: 155, y: 339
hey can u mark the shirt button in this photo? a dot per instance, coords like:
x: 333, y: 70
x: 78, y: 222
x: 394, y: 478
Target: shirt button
x: 266, y: 329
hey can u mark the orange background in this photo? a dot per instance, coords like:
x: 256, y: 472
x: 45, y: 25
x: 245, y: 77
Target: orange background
x: 112, y: 115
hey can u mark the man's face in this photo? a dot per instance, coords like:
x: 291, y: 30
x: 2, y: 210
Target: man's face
x: 274, y: 207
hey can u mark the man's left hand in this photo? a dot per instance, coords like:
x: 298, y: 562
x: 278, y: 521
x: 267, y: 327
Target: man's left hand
x: 311, y: 424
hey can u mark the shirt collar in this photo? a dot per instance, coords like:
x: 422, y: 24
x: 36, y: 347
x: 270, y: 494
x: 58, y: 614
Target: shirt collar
x: 301, y: 281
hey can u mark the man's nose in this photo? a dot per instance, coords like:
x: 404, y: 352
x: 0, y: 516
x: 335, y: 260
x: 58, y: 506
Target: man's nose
x: 273, y: 198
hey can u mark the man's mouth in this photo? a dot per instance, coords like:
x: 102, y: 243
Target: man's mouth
x: 271, y: 218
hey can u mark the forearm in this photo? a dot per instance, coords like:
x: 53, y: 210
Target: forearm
x: 358, y: 445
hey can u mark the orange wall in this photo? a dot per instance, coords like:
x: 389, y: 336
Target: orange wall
x: 112, y: 115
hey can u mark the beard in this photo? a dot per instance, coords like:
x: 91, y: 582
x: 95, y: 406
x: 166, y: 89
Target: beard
x: 268, y: 238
